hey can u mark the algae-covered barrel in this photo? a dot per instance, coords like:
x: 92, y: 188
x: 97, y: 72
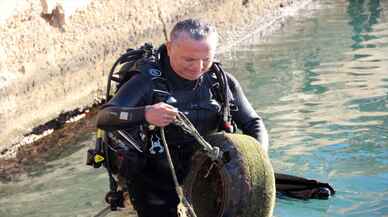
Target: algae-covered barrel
x: 242, y: 184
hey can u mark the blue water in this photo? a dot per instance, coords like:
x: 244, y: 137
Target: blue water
x: 321, y: 84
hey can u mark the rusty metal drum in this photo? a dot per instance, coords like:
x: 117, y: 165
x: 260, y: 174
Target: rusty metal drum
x: 241, y: 184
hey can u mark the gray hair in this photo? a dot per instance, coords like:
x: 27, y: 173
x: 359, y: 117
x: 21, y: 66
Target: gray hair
x: 195, y: 28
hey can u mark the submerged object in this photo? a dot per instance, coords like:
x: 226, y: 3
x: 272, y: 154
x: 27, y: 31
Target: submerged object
x: 302, y: 188
x: 241, y: 183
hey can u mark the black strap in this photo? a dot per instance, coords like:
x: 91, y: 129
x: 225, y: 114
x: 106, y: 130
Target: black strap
x: 223, y: 92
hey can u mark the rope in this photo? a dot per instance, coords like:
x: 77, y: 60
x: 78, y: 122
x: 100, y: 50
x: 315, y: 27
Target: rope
x: 107, y: 210
x: 183, y: 203
x: 183, y: 122
x: 103, y: 212
x: 213, y: 152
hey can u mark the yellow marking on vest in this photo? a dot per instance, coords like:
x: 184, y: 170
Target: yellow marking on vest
x: 98, y: 158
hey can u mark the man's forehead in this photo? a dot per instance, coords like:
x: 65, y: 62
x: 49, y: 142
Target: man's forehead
x: 184, y: 37
x: 195, y: 46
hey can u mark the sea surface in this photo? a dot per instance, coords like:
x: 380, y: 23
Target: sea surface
x: 321, y: 85
x: 320, y: 82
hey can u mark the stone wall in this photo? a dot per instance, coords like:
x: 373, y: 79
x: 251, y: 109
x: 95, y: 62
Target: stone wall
x: 52, y: 62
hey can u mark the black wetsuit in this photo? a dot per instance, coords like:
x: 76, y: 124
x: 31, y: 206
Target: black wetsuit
x: 152, y: 190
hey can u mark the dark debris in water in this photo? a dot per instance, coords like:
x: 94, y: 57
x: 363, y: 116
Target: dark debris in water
x: 63, y: 141
x: 60, y: 121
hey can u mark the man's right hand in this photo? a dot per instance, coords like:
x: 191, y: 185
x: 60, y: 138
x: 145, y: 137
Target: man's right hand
x: 160, y: 114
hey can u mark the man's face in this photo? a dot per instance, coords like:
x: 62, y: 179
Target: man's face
x: 190, y: 58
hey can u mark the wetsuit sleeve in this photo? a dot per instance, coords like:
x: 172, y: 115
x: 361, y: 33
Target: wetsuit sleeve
x: 127, y: 108
x: 245, y: 116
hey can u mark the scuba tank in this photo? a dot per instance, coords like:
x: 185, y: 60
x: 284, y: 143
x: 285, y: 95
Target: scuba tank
x: 99, y: 155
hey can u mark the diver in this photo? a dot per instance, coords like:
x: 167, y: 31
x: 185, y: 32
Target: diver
x: 154, y: 87
x: 186, y: 68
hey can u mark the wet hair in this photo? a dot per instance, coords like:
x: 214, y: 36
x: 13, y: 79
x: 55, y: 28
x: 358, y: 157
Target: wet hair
x: 195, y: 28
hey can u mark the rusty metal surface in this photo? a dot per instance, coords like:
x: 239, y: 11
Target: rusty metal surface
x: 228, y: 188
